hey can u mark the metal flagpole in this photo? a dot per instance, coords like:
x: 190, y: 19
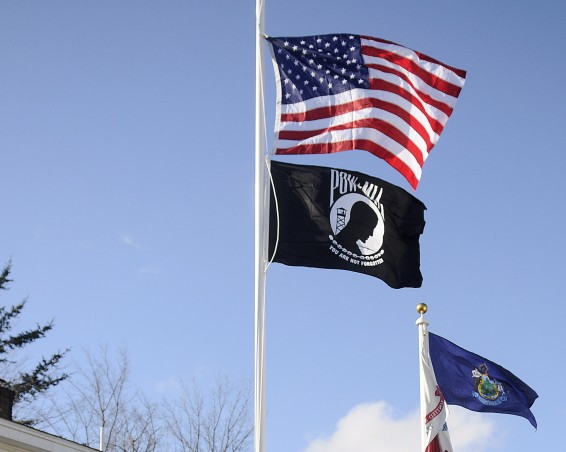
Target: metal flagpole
x: 422, y: 324
x: 260, y: 241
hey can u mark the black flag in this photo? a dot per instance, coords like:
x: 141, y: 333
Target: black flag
x: 333, y: 218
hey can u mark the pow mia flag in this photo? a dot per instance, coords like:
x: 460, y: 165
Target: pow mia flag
x: 339, y: 219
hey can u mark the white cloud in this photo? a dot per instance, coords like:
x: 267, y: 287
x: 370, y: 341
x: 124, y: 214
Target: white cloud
x: 471, y: 431
x: 373, y: 427
x: 127, y: 240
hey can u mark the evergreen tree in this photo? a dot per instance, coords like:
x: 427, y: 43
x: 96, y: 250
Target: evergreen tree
x: 25, y: 385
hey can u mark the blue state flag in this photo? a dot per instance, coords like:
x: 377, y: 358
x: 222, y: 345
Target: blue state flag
x: 478, y: 384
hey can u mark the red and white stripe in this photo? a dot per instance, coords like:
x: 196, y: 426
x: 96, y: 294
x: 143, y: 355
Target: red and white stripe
x: 399, y: 118
x: 435, y: 410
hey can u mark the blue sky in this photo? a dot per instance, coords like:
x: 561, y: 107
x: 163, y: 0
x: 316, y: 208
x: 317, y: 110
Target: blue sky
x: 127, y: 181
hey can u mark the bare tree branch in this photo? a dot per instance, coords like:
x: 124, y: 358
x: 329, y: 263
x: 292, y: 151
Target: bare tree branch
x: 221, y: 423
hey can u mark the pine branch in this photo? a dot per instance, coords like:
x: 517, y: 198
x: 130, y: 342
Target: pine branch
x: 30, y: 384
x: 4, y: 276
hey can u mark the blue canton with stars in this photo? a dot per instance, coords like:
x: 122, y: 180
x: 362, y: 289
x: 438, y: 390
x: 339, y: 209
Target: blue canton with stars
x: 312, y: 66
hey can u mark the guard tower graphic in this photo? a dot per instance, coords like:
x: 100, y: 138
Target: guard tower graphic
x: 340, y: 219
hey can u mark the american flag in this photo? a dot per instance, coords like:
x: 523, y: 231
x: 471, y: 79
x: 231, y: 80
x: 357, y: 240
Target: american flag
x: 346, y: 92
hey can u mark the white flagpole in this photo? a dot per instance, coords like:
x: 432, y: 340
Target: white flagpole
x: 260, y: 240
x: 422, y: 324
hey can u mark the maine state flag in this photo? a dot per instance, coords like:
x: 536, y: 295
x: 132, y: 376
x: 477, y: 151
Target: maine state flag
x: 478, y: 384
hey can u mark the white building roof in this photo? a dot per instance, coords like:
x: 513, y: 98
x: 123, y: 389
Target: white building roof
x: 15, y: 437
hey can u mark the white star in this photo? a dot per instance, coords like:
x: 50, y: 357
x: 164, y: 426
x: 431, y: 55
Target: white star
x: 286, y: 43
x: 295, y: 47
x: 303, y: 43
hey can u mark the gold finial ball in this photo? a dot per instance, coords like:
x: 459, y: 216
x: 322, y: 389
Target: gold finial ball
x: 422, y: 308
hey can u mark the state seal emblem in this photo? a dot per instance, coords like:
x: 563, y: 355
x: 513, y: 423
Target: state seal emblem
x: 487, y: 390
